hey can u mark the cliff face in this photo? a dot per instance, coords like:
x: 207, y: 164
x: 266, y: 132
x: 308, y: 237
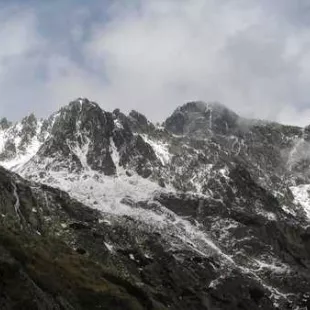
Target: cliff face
x: 108, y: 211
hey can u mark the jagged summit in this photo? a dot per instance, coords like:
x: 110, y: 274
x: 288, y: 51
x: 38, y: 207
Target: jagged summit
x: 20, y: 141
x: 201, y: 106
x: 79, y: 106
x: 82, y: 101
x: 83, y: 137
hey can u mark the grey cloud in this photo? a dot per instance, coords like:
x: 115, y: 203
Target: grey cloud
x: 154, y: 55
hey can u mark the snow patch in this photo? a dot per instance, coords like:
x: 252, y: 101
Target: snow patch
x: 17, y: 201
x: 109, y: 247
x: 161, y: 149
x: 118, y: 124
x: 288, y: 210
x: 81, y: 151
x: 114, y: 153
x: 275, y: 267
x: 302, y: 197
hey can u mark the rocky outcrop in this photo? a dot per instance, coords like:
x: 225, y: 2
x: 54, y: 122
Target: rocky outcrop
x: 199, y: 119
x: 210, y: 211
x: 56, y: 253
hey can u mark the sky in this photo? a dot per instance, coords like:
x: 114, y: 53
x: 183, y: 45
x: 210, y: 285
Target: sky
x: 154, y: 55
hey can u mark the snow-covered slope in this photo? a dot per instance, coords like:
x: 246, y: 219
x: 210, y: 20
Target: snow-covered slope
x: 19, y: 142
x: 209, y: 182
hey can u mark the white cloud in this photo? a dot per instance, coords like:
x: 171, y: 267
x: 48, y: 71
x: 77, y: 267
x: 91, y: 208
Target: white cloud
x: 167, y: 54
x: 18, y: 38
x: 155, y: 55
x: 232, y: 51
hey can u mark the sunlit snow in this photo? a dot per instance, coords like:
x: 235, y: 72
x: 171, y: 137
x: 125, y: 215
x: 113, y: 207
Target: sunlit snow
x: 13, y: 134
x: 302, y: 196
x: 161, y: 149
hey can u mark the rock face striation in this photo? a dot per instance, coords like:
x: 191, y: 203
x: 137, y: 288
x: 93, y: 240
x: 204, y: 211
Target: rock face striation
x: 102, y: 210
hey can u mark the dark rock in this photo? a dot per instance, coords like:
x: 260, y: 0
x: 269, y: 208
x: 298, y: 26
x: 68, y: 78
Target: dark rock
x: 81, y: 251
x: 4, y: 123
x: 139, y: 123
x: 200, y: 119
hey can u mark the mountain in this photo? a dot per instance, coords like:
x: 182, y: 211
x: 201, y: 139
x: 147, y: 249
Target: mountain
x: 102, y: 210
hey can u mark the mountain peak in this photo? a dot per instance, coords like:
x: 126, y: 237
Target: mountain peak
x: 29, y: 121
x: 81, y: 103
x: 201, y: 118
x: 139, y: 123
x: 201, y: 106
x: 71, y: 116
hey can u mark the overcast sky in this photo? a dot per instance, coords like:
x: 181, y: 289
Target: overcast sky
x: 152, y: 56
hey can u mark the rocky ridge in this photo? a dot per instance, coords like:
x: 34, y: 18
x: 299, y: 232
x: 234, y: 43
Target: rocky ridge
x: 208, y: 211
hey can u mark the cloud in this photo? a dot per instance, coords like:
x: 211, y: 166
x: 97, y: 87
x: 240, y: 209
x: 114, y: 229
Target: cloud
x: 19, y: 43
x: 152, y: 56
x: 165, y: 54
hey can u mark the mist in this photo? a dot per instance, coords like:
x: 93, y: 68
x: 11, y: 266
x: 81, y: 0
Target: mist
x: 152, y: 56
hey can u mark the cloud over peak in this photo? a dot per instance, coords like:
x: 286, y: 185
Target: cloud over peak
x: 154, y: 55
